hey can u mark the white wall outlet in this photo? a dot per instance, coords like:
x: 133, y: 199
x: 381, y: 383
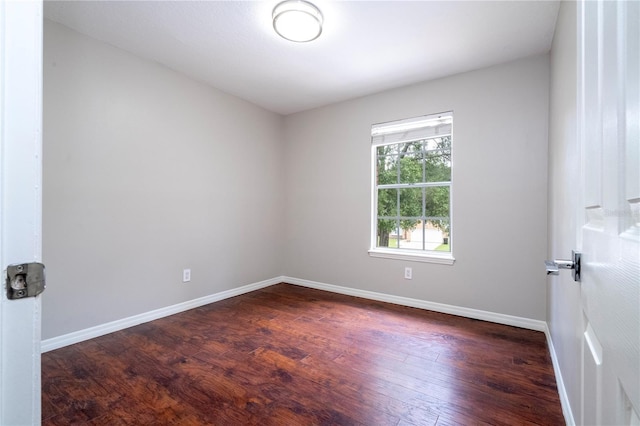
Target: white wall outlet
x: 186, y: 275
x: 408, y: 273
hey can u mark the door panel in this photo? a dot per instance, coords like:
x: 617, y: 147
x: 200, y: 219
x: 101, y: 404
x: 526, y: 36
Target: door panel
x: 609, y: 111
x: 592, y: 375
x: 591, y: 110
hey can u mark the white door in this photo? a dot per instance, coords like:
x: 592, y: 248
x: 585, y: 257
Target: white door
x: 608, y: 131
x: 20, y: 204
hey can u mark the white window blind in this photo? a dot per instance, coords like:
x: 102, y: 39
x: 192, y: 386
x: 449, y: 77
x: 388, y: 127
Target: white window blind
x: 425, y: 127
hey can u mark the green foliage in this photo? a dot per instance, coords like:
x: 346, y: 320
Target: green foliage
x: 407, y: 163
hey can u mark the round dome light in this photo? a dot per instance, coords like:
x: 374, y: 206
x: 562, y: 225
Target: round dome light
x: 297, y: 20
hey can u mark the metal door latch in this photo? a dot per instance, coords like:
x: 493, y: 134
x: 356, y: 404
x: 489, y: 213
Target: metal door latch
x: 25, y: 280
x: 554, y: 266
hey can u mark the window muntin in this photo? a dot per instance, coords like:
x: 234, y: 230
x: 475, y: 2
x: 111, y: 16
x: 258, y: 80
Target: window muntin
x: 412, y: 185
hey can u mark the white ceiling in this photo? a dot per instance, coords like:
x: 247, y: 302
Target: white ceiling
x: 365, y: 47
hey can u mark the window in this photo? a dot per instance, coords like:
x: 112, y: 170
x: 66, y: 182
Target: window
x: 411, y: 163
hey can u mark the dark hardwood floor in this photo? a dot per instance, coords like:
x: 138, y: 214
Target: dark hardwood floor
x: 289, y: 355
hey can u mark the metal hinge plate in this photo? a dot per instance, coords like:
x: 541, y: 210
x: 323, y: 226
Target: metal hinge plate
x: 25, y: 280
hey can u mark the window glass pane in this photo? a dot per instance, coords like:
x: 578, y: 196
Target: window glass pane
x: 412, y: 235
x: 437, y: 201
x: 443, y: 143
x: 387, y: 202
x: 410, y: 204
x: 387, y: 165
x: 437, y: 235
x: 411, y: 167
x: 387, y: 235
x: 388, y: 174
x: 387, y: 149
x: 438, y: 166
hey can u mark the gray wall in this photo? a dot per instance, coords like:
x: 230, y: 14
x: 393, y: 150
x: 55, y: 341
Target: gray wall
x: 499, y: 191
x: 147, y: 172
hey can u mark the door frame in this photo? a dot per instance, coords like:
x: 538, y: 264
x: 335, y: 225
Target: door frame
x: 21, y: 45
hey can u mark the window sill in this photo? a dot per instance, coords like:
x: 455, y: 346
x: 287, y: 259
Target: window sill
x: 442, y: 259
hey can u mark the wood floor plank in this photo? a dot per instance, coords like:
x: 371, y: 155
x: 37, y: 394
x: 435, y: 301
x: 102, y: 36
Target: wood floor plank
x: 289, y: 355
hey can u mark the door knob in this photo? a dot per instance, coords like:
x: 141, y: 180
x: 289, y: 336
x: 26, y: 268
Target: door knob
x: 553, y: 266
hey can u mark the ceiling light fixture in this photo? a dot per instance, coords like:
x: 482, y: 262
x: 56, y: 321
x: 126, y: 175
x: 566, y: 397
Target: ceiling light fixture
x: 297, y: 20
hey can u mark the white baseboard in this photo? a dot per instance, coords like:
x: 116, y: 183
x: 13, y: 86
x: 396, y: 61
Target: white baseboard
x: 562, y: 390
x: 527, y: 323
x: 110, y: 327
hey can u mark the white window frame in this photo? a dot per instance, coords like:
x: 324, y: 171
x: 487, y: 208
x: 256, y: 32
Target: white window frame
x: 406, y: 131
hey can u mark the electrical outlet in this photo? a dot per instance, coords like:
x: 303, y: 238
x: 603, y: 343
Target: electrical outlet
x: 186, y: 275
x: 408, y: 273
